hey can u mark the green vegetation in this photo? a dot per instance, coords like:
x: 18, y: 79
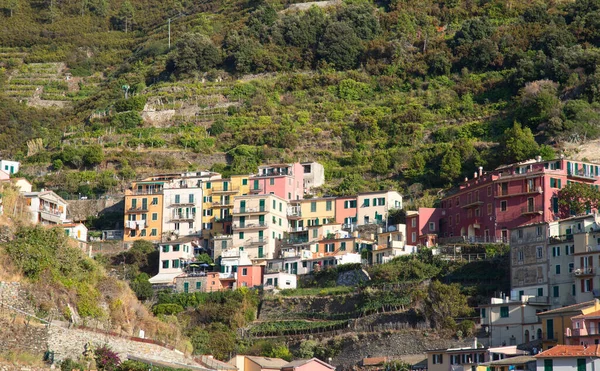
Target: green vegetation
x: 294, y: 327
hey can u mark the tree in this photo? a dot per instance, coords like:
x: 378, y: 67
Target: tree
x: 443, y: 303
x: 94, y: 155
x: 340, y: 46
x: 518, y: 144
x: 362, y: 18
x: 195, y: 52
x: 126, y: 13
x: 10, y: 5
x: 451, y: 166
x: 142, y: 286
x: 204, y: 258
x: 578, y: 198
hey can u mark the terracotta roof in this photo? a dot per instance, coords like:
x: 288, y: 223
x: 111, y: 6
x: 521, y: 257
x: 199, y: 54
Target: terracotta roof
x: 589, y: 315
x: 510, y: 361
x: 571, y: 351
x: 375, y: 361
x: 301, y: 362
x: 569, y: 308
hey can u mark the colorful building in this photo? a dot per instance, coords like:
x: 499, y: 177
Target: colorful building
x: 585, y: 329
x: 422, y: 226
x: 486, y: 207
x: 373, y: 207
x: 283, y: 180
x: 313, y: 177
x: 250, y: 275
x: 555, y: 322
x: 46, y: 207
x: 143, y: 211
x: 218, y: 203
x: 453, y: 359
x: 182, y: 208
x: 569, y: 358
x: 174, y: 257
x: 346, y: 210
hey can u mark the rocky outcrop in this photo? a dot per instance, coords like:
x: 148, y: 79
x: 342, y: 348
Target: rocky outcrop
x: 353, y: 278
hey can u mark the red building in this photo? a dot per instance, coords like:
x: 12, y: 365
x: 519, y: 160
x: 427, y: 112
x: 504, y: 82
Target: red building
x: 250, y: 275
x: 486, y: 207
x: 423, y: 227
x: 283, y: 180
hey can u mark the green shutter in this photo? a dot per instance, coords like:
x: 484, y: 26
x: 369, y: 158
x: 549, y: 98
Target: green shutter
x: 547, y: 365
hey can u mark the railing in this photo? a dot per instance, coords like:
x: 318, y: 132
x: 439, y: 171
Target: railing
x: 550, y: 336
x: 250, y: 210
x: 51, y: 211
x: 183, y: 216
x: 532, y: 210
x: 221, y: 204
x: 256, y: 189
x: 578, y: 174
x: 251, y: 226
x: 223, y: 190
x: 233, y: 253
x: 182, y: 203
x: 544, y: 300
x: 223, y: 237
x: 146, y: 192
x: 562, y: 238
x: 471, y: 239
x: 140, y: 209
x: 586, y: 271
x: 257, y: 241
x: 224, y: 219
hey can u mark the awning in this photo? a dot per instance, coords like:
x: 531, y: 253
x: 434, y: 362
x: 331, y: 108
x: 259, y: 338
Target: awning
x: 164, y: 278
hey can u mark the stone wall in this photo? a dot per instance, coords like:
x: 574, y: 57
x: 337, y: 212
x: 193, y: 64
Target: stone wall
x: 282, y: 306
x: 19, y: 334
x: 80, y: 209
x: 14, y: 295
x: 70, y: 343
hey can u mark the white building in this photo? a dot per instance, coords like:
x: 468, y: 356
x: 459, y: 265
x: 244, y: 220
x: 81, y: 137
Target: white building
x: 259, y: 221
x: 10, y: 167
x: 230, y: 260
x: 314, y: 175
x: 182, y: 207
x: 569, y: 358
x: 280, y: 280
x: 174, y: 257
x: 511, y: 322
x: 373, y: 207
x: 46, y: 207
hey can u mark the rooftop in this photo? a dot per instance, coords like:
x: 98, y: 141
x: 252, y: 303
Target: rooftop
x: 569, y: 308
x: 571, y: 351
x: 595, y: 314
x: 266, y: 362
x: 511, y: 361
x: 301, y: 362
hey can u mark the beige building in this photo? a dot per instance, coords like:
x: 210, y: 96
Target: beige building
x: 252, y: 363
x: 259, y: 223
x: 456, y: 359
x: 529, y: 262
x: 373, y: 207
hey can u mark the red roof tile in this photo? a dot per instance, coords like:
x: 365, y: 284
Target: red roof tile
x: 571, y: 351
x: 592, y: 314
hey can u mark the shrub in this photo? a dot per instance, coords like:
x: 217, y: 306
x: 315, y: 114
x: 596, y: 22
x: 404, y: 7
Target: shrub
x: 167, y: 309
x: 106, y: 359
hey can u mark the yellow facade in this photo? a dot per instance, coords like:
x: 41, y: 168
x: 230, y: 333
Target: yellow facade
x: 317, y: 211
x: 561, y: 320
x: 218, y: 202
x: 143, y: 212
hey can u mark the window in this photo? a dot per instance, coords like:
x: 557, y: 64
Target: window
x: 165, y: 248
x: 557, y: 269
x: 504, y: 312
x: 483, y: 313
x: 540, y: 291
x: 313, y: 207
x: 457, y: 218
x: 581, y: 364
x: 191, y: 198
x: 328, y: 205
x: 489, y: 209
x: 573, y: 290
x: 413, y: 222
x: 175, y: 248
x: 587, y: 285
x: 244, y: 271
x: 366, y: 202
x: 245, y: 181
x: 520, y: 233
x: 155, y: 216
x: 165, y: 264
x: 571, y: 267
x: 272, y: 181
x: 413, y: 237
x: 343, y: 246
x: 208, y: 185
x: 198, y: 285
x: 176, y: 226
x: 503, y: 205
x: 350, y: 204
x: 329, y: 247
x: 489, y: 190
x: 175, y: 263
x: 520, y: 256
x: 539, y: 252
x: 556, y: 251
x: 555, y: 291
x: 155, y: 201
x: 241, y: 235
x: 438, y: 359
x: 143, y: 233
x: 431, y: 226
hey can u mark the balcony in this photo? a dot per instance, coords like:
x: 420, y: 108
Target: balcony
x: 529, y: 191
x: 581, y: 332
x: 222, y: 237
x: 221, y: 204
x: 135, y: 210
x: 297, y: 241
x: 256, y: 189
x: 227, y: 190
x: 560, y: 239
x: 580, y: 175
x: 538, y: 300
x: 532, y: 210
x: 182, y: 203
x: 145, y: 192
x: 233, y: 253
x: 183, y: 217
x: 553, y: 336
x: 470, y: 239
x: 223, y: 219
x: 257, y: 241
x: 472, y: 205
x: 251, y: 210
x: 51, y: 216
x: 250, y: 226
x: 582, y: 272
x: 135, y: 224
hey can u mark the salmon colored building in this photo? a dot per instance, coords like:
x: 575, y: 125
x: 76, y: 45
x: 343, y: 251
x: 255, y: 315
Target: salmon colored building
x: 250, y: 275
x: 213, y: 283
x: 345, y: 210
x: 283, y: 180
x: 307, y: 365
x: 422, y: 226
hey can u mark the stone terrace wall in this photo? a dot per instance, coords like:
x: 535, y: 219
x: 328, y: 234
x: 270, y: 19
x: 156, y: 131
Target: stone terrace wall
x: 17, y: 334
x: 15, y: 295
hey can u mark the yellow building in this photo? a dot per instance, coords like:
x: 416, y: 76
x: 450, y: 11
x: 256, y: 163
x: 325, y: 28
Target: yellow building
x: 555, y: 322
x: 218, y: 203
x: 311, y: 211
x: 143, y: 211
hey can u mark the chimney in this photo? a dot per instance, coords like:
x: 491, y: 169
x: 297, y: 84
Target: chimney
x: 475, y: 175
x: 538, y: 158
x: 475, y: 343
x: 480, y: 170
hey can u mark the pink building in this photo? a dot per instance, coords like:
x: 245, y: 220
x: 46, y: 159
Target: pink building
x: 585, y: 330
x: 486, y: 207
x: 308, y: 365
x: 422, y: 227
x: 250, y: 275
x: 345, y: 210
x: 283, y: 180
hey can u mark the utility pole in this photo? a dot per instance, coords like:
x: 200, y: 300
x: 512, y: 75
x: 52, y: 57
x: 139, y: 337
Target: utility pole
x: 169, y: 33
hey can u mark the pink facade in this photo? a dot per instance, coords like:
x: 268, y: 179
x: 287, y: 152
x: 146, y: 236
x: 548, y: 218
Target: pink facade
x: 250, y: 275
x: 585, y: 329
x: 423, y: 226
x: 308, y: 365
x: 486, y: 207
x: 345, y: 210
x: 283, y: 180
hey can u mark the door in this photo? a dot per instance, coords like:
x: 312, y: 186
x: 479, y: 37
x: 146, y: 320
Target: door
x: 580, y: 364
x: 261, y: 205
x: 225, y: 186
x: 242, y: 221
x: 550, y: 329
x: 186, y: 287
x: 242, y: 206
x: 260, y: 235
x: 261, y: 253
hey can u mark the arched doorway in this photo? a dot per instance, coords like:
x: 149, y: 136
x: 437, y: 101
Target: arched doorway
x: 527, y: 336
x: 471, y: 230
x: 462, y: 231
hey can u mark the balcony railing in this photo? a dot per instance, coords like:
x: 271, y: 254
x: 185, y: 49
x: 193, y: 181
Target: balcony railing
x: 233, y: 253
x: 560, y: 239
x: 183, y: 216
x: 223, y: 237
x: 581, y: 175
x: 50, y: 210
x: 224, y: 219
x: 221, y: 204
x: 538, y: 300
x: 145, y: 192
x: 256, y: 189
x: 140, y: 209
x: 251, y: 210
x: 523, y: 192
x: 471, y: 239
x: 586, y: 271
x: 182, y: 203
x: 223, y: 190
x: 261, y: 225
x: 529, y: 210
x: 257, y: 241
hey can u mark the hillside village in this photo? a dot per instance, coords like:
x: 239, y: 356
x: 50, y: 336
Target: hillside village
x: 269, y: 231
